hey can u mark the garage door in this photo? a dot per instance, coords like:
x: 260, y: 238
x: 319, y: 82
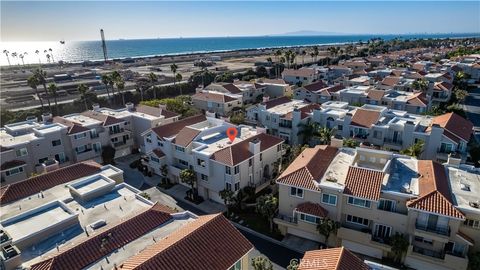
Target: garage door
x: 304, y: 234
x: 362, y: 249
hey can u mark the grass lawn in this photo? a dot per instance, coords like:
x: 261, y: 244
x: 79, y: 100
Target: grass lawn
x: 257, y: 223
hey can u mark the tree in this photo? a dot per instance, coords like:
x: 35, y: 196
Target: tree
x: 108, y: 155
x: 308, y: 131
x: 227, y: 197
x: 82, y: 89
x: 173, y: 68
x: 52, y: 90
x: 267, y: 207
x: 237, y: 118
x: 42, y: 79
x: 189, y: 177
x: 460, y: 95
x: 8, y: 58
x: 326, y: 227
x: 474, y: 260
x: 179, y: 78
x: 421, y: 85
x: 399, y: 245
x: 33, y: 82
x: 153, y: 80
x: 164, y: 173
x: 349, y: 142
x: 325, y: 135
x: 120, y: 87
x: 261, y: 263
x: 415, y: 150
x: 106, y: 81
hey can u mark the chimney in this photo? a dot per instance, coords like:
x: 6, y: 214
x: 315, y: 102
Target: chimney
x: 129, y: 106
x: 46, y: 117
x: 50, y: 165
x: 96, y: 107
x: 454, y: 160
x: 261, y: 130
x: 254, y: 146
x: 210, y: 114
x: 336, y: 141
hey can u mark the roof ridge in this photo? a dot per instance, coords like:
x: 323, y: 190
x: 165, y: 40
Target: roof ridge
x: 342, y: 249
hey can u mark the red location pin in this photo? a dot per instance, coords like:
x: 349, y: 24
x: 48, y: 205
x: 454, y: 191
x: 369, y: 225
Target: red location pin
x: 232, y: 133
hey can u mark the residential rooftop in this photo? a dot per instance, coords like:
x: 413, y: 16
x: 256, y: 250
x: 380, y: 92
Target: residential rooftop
x: 465, y: 187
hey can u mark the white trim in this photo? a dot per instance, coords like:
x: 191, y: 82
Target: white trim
x: 468, y: 242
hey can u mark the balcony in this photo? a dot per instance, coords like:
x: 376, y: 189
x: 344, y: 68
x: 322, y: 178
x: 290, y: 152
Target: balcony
x: 286, y: 219
x: 116, y: 131
x: 433, y: 229
x: 428, y: 252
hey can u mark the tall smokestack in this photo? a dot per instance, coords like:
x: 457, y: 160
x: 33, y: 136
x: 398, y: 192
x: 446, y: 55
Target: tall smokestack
x: 104, y: 45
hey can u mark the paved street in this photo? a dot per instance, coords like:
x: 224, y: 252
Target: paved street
x: 472, y: 108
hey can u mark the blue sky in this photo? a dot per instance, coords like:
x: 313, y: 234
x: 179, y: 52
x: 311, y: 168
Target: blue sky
x: 69, y: 20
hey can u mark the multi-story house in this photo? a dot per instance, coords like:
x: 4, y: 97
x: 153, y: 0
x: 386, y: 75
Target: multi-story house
x: 396, y: 130
x: 26, y: 146
x: 300, y: 76
x: 200, y: 143
x: 375, y: 195
x: 51, y: 221
x: 278, y: 115
x: 219, y: 103
x: 317, y: 92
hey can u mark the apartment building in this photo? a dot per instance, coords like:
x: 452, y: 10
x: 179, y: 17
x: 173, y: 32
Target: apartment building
x: 200, y: 143
x: 84, y: 217
x: 300, y: 76
x: 374, y: 195
x: 278, y: 115
x: 219, y: 103
x: 395, y: 130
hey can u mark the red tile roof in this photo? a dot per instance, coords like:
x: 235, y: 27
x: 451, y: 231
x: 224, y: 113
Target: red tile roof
x: 33, y: 185
x: 331, y: 89
x: 171, y: 129
x: 418, y: 99
x: 442, y: 86
x: 186, y: 136
x: 210, y: 242
x: 277, y: 101
x: 331, y: 259
x: 215, y: 97
x: 238, y: 152
x: 376, y: 94
x: 365, y: 118
x: 315, y: 86
x: 457, y: 126
x: 363, y: 183
x: 109, y: 240
x: 308, y: 167
x: 230, y: 87
x: 107, y: 120
x: 12, y: 164
x: 314, y: 209
x: 77, y: 129
x: 390, y: 81
x: 434, y: 191
x: 158, y: 152
x: 304, y: 111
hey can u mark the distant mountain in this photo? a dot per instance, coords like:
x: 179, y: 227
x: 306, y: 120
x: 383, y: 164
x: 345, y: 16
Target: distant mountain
x: 310, y: 33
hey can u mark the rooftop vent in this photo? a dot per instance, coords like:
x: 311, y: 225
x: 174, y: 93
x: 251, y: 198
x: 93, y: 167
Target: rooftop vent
x: 465, y: 187
x: 98, y: 224
x: 474, y: 204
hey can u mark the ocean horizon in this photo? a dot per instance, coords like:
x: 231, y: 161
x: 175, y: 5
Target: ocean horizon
x: 79, y: 51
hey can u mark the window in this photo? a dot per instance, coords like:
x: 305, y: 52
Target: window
x: 79, y: 136
x: 93, y: 133
x: 56, y: 142
x: 377, y: 134
x: 357, y: 220
x: 236, y: 169
x: 424, y: 240
x: 228, y: 186
x: 386, y: 205
x: 80, y: 149
x: 22, y: 152
x: 472, y: 223
x: 14, y: 171
x: 159, y: 143
x: 279, y: 148
x: 200, y: 162
x: 148, y: 138
x: 60, y: 157
x: 179, y: 148
x: 340, y: 127
x: 228, y: 170
x: 309, y: 218
x: 237, y: 265
x: 42, y: 160
x: 261, y: 156
x: 183, y: 162
x: 203, y: 177
x: 329, y: 199
x: 250, y: 163
x: 97, y: 147
x: 297, y: 192
x: 237, y: 186
x: 154, y: 159
x: 382, y: 231
x: 359, y: 202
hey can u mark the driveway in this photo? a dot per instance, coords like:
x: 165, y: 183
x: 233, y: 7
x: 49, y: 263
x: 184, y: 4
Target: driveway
x: 131, y: 176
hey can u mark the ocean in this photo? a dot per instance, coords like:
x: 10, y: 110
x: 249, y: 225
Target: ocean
x: 77, y: 51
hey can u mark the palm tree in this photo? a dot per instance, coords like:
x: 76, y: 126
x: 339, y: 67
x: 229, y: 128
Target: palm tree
x: 179, y: 78
x: 315, y: 52
x: 14, y: 55
x: 52, y: 90
x: 304, y: 52
x: 326, y: 227
x: 153, y: 80
x: 189, y: 177
x: 48, y: 57
x: 51, y: 54
x: 21, y: 57
x: 106, y: 81
x: 115, y: 78
x: 267, y: 207
x: 227, y: 197
x: 82, y: 88
x: 33, y: 82
x: 325, y: 135
x: 399, y: 245
x: 307, y: 131
x: 421, y: 85
x: 120, y: 87
x: 37, y: 52
x: 42, y: 79
x: 278, y: 53
x: 173, y: 68
x: 415, y: 150
x: 8, y: 58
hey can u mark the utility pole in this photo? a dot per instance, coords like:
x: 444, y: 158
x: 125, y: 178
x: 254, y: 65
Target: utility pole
x: 104, y: 45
